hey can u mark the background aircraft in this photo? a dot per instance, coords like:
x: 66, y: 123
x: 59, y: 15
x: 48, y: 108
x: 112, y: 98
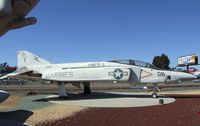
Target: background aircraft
x: 13, y: 14
x: 194, y: 71
x: 32, y: 67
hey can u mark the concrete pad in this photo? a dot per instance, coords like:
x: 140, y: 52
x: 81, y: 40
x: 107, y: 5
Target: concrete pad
x: 110, y: 100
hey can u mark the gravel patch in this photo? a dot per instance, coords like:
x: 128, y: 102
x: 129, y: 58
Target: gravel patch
x: 52, y: 113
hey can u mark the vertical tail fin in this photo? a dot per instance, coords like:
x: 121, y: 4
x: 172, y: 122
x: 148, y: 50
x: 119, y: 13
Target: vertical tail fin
x: 25, y: 58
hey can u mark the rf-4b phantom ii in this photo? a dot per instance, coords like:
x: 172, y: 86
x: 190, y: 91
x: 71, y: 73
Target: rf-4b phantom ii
x: 32, y: 67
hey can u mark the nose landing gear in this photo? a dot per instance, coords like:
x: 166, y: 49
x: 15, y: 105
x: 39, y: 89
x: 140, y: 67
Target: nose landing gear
x: 155, y: 91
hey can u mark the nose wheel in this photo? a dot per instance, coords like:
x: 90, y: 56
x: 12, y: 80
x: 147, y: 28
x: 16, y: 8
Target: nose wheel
x: 154, y: 95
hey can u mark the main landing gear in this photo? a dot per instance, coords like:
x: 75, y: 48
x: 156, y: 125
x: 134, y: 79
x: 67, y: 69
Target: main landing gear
x: 61, y: 90
x: 87, y: 89
x: 63, y: 94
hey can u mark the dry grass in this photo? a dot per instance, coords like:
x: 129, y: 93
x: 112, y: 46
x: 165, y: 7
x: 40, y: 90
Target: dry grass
x: 52, y: 113
x: 10, y: 102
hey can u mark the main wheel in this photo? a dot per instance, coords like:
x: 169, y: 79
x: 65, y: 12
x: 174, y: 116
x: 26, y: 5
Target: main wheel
x: 154, y: 95
x: 87, y: 89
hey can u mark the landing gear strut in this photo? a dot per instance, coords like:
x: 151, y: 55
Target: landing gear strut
x: 155, y: 91
x: 61, y: 90
x: 87, y: 89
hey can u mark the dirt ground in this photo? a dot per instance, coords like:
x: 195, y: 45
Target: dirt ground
x: 10, y: 102
x: 183, y: 112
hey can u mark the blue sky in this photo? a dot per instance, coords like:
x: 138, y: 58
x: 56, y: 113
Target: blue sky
x: 98, y: 30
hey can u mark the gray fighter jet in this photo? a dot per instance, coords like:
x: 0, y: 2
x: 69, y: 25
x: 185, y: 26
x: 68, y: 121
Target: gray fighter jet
x: 32, y: 67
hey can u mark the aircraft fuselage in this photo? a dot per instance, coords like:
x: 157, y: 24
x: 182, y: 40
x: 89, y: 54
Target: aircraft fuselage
x: 107, y: 71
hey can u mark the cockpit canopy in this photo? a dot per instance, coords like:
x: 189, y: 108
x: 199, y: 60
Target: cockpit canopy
x: 135, y: 63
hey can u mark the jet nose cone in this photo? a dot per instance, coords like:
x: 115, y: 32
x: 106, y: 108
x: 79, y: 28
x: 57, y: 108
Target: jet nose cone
x: 187, y: 76
x: 3, y: 95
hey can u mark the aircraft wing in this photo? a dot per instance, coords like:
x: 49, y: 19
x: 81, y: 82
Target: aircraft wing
x: 24, y: 74
x: 26, y: 77
x: 14, y: 74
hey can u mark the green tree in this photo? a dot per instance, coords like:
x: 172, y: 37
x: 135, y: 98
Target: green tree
x: 3, y: 66
x: 161, y: 61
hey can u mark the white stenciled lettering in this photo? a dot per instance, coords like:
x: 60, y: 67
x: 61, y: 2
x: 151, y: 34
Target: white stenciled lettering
x: 96, y: 65
x: 59, y: 75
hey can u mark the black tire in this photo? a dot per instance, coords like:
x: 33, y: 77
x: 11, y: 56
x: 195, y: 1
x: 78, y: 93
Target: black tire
x: 161, y: 101
x: 21, y: 83
x: 87, y: 89
x: 5, y: 83
x: 154, y: 95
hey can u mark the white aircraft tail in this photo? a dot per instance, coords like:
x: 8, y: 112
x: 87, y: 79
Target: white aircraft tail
x: 25, y: 58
